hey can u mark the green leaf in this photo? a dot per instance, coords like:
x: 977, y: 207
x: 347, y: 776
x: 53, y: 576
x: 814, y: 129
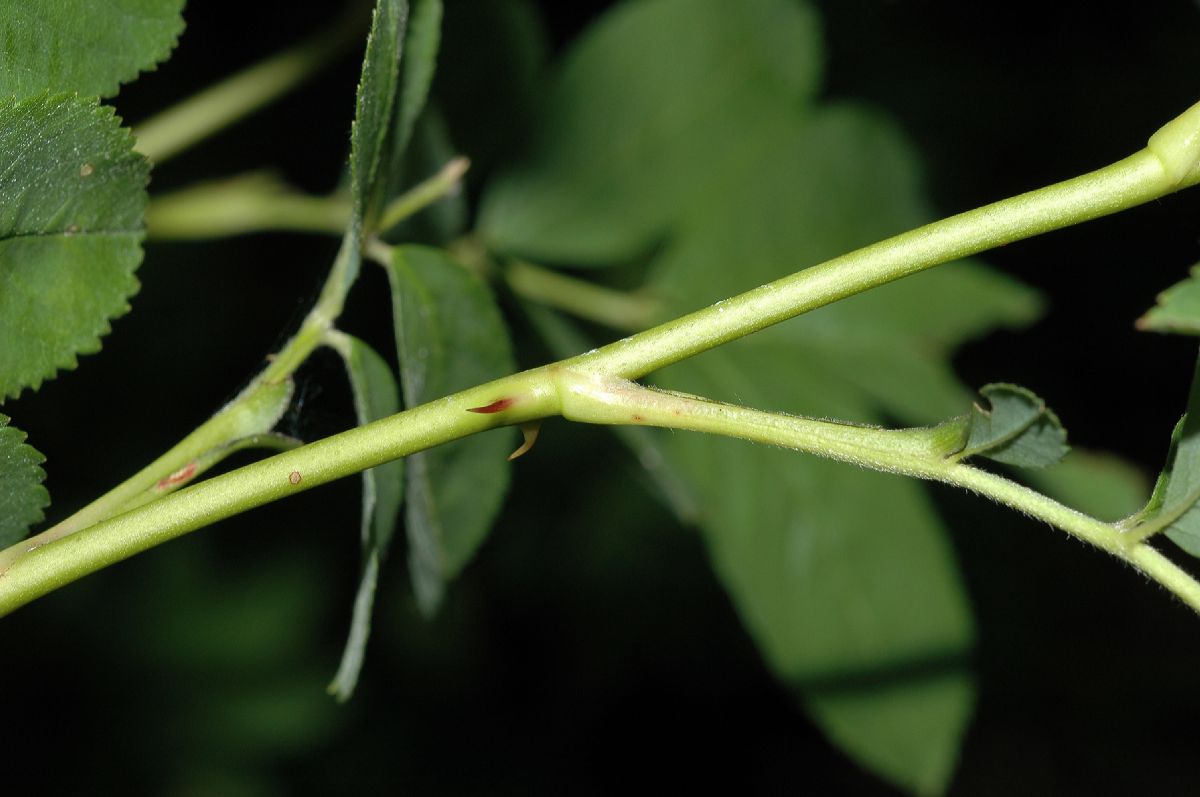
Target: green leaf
x: 420, y: 60
x: 627, y: 121
x: 489, y: 78
x: 1172, y: 507
x: 22, y: 496
x: 712, y: 159
x: 375, y: 396
x: 373, y: 106
x: 450, y: 336
x: 70, y: 232
x: 844, y: 578
x: 1017, y: 429
x: 82, y: 46
x: 1177, y: 309
x: 376, y: 97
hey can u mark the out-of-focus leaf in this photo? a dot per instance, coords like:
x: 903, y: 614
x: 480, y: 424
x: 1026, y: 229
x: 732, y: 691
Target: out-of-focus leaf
x: 82, y: 46
x: 428, y: 152
x: 450, y: 336
x: 70, y: 232
x: 22, y: 496
x: 1017, y: 428
x: 375, y: 396
x: 713, y: 150
x: 490, y: 76
x: 628, y: 120
x: 1177, y: 309
x: 420, y: 59
x: 1098, y: 484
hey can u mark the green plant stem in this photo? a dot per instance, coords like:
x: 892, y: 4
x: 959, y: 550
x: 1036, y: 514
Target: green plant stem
x: 443, y: 184
x: 920, y: 453
x: 620, y: 310
x: 256, y: 409
x: 171, y: 131
x: 242, y: 204
x: 1125, y: 184
x: 28, y: 570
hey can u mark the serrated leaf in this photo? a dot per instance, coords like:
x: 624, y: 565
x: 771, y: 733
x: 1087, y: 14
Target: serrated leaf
x: 376, y: 396
x: 373, y: 106
x: 376, y: 98
x: 22, y: 496
x: 714, y: 153
x: 70, y: 232
x: 82, y: 46
x: 450, y: 336
x: 1017, y: 428
x: 1177, y: 309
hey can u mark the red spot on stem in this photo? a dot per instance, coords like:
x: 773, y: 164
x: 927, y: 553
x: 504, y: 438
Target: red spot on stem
x: 178, y: 477
x: 499, y: 405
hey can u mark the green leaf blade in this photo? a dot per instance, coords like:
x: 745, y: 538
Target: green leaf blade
x: 1177, y: 309
x: 376, y: 396
x: 376, y: 98
x: 844, y: 578
x: 714, y: 163
x: 450, y: 336
x: 70, y: 234
x: 625, y: 121
x: 22, y: 496
x: 83, y: 46
x: 420, y: 61
x: 1018, y: 429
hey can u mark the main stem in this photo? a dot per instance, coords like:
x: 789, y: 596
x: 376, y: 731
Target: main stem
x: 1169, y: 163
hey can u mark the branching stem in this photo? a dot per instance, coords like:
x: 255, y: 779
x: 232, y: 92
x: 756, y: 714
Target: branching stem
x: 30, y: 569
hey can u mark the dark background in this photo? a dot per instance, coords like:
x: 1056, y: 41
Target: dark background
x: 589, y: 648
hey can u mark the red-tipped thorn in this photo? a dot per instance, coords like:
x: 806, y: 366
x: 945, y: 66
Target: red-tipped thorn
x: 499, y: 405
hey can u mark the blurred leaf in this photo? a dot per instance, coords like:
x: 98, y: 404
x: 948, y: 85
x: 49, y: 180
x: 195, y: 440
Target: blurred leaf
x: 450, y: 336
x: 1017, y: 429
x: 1101, y: 485
x: 70, y: 232
x: 375, y: 396
x: 420, y: 60
x: 826, y: 184
x: 1177, y: 309
x: 82, y: 46
x: 428, y: 152
x: 489, y: 78
x: 712, y: 150
x: 22, y: 496
x: 632, y: 131
x: 844, y: 578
